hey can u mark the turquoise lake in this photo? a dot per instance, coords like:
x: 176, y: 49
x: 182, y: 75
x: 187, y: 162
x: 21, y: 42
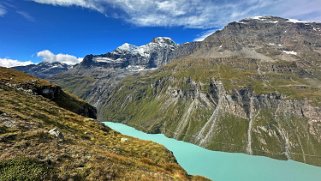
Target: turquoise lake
x: 221, y: 166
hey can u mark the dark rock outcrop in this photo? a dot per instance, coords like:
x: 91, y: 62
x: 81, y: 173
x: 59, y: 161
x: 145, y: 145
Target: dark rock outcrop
x: 51, y: 92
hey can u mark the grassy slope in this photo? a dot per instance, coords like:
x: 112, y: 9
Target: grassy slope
x: 63, y: 99
x: 89, y: 150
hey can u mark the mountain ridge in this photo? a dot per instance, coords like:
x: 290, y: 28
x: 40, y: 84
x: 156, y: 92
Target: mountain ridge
x: 44, y: 69
x: 251, y: 87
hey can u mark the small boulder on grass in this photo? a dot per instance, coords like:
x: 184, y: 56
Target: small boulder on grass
x: 55, y: 132
x: 123, y: 140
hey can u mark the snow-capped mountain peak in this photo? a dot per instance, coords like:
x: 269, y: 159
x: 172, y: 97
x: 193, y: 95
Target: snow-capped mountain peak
x: 150, y: 55
x: 127, y: 47
x: 163, y: 40
x: 44, y: 69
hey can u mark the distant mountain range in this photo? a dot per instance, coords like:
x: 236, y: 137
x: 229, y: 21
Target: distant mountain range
x: 44, y: 69
x: 252, y: 87
x: 151, y: 55
x: 128, y: 57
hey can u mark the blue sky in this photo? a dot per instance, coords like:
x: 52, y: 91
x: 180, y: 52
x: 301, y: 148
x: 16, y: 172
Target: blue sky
x: 66, y: 30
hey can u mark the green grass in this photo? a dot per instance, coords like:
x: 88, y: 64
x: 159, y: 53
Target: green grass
x: 23, y: 169
x: 230, y: 135
x: 274, y: 146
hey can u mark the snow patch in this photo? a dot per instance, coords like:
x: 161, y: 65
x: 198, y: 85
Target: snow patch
x: 135, y: 68
x: 316, y: 29
x: 103, y: 59
x: 241, y: 22
x: 262, y: 18
x: 162, y: 40
x: 256, y: 17
x: 127, y: 47
x: 56, y: 66
x: 296, y: 21
x: 290, y: 52
x: 145, y: 50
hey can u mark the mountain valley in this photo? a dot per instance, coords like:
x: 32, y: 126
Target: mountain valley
x: 252, y: 87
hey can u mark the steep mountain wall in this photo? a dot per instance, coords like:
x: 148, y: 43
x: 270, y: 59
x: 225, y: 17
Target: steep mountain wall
x: 213, y: 114
x: 251, y: 87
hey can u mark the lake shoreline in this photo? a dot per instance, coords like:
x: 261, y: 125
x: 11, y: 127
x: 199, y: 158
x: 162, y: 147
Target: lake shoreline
x: 217, y: 165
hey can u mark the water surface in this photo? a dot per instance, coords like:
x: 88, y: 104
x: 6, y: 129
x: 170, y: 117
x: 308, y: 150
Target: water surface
x: 221, y: 166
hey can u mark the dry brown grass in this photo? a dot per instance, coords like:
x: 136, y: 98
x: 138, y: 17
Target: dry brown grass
x: 88, y: 151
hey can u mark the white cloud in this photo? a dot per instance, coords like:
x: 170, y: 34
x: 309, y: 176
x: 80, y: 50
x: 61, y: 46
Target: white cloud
x: 195, y: 13
x: 5, y: 62
x: 90, y: 4
x: 48, y: 56
x: 204, y: 35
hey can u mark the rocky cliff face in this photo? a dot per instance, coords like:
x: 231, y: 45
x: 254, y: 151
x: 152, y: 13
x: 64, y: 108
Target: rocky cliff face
x: 49, y: 91
x: 251, y: 87
x: 238, y: 111
x: 41, y: 140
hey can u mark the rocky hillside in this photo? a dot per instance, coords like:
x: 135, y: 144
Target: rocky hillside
x: 252, y: 87
x: 44, y: 70
x: 40, y: 139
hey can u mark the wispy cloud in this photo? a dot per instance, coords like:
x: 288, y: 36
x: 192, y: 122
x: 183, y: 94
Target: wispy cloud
x: 6, y: 62
x: 195, y: 13
x: 90, y: 4
x: 7, y: 6
x: 26, y: 15
x: 48, y: 56
x: 3, y: 11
